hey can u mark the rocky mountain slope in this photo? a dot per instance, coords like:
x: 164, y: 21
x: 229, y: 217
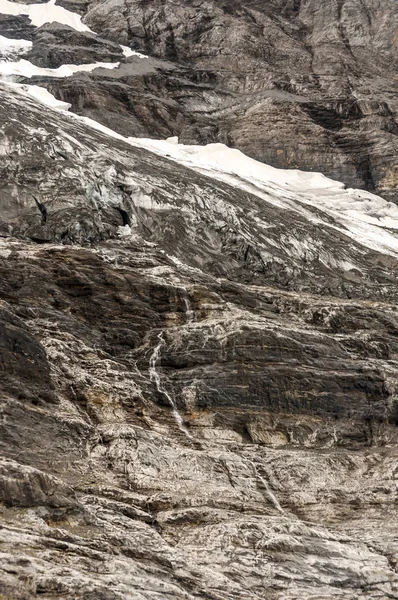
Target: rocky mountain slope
x: 198, y: 352
x: 306, y: 84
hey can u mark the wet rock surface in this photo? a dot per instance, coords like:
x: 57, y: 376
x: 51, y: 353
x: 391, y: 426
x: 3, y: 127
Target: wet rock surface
x: 133, y: 289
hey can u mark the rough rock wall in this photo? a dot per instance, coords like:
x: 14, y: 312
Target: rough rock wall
x: 277, y: 479
x: 299, y: 84
x: 198, y: 380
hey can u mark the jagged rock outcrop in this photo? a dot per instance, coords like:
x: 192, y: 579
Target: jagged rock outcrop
x: 55, y: 44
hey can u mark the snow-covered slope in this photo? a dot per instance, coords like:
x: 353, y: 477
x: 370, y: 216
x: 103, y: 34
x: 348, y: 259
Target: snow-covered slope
x: 26, y: 69
x: 367, y: 218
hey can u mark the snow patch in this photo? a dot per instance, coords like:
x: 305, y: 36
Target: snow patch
x: 218, y: 157
x: 40, y: 94
x: 39, y: 14
x: 25, y: 68
x: 129, y: 52
x: 11, y: 49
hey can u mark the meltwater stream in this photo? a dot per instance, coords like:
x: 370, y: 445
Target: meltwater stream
x: 268, y: 490
x: 154, y: 376
x: 189, y: 314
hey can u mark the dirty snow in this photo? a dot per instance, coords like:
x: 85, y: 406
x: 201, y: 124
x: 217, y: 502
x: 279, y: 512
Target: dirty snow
x: 12, y: 49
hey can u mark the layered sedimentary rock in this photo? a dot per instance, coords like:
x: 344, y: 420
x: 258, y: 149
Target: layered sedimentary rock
x: 196, y: 401
x: 198, y: 353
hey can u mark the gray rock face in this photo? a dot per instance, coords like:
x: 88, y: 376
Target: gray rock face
x: 132, y: 293
x: 55, y: 45
x: 16, y: 27
x: 199, y: 377
x: 302, y: 84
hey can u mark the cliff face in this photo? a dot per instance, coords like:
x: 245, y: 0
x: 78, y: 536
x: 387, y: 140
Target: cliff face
x: 198, y: 352
x: 307, y: 84
x: 198, y: 380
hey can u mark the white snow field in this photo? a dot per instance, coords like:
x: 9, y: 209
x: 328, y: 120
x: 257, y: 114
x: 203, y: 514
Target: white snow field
x: 27, y: 69
x: 39, y: 14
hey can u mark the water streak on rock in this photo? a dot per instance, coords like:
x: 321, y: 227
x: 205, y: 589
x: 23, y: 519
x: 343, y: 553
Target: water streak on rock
x: 268, y: 490
x: 190, y: 316
x: 155, y: 377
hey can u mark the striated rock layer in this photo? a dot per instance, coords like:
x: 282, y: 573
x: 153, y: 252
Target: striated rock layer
x: 199, y: 377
